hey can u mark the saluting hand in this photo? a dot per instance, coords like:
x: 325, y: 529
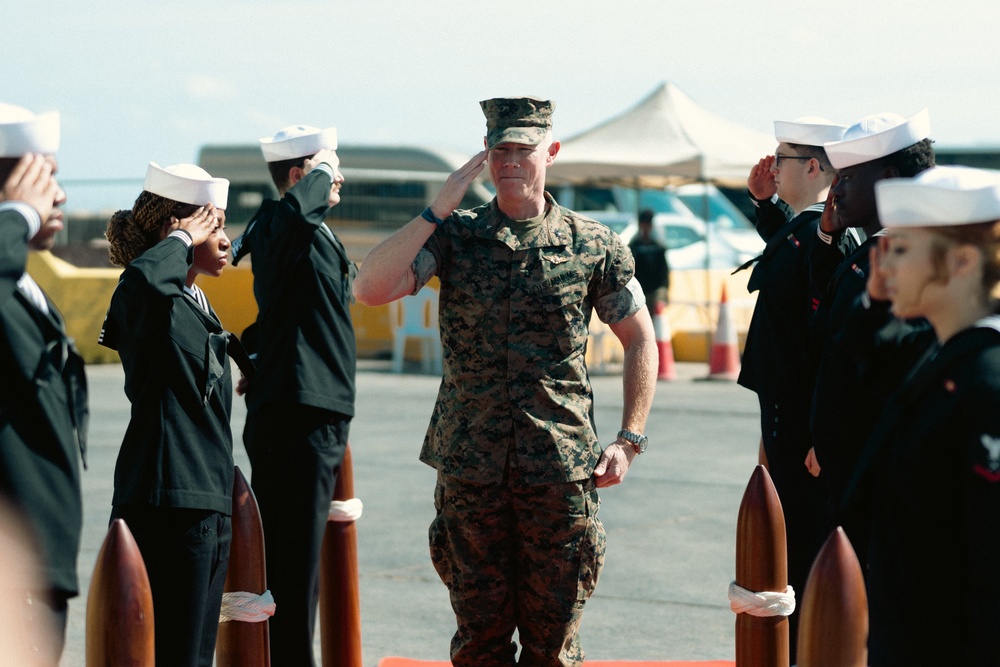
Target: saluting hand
x: 31, y: 182
x: 199, y: 224
x: 829, y: 222
x: 877, y: 290
x: 760, y: 183
x: 458, y: 183
x: 326, y: 155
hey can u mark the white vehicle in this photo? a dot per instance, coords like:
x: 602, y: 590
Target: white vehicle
x: 725, y: 243
x: 685, y: 239
x: 705, y: 200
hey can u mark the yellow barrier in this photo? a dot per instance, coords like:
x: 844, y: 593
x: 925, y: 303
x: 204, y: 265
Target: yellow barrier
x: 231, y: 296
x: 693, y: 310
x: 83, y: 295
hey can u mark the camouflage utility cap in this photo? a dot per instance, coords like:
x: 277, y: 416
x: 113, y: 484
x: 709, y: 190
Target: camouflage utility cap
x: 520, y: 120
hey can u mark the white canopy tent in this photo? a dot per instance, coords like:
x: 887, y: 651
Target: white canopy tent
x: 668, y: 139
x: 665, y: 138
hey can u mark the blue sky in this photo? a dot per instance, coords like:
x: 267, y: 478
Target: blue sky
x: 139, y: 81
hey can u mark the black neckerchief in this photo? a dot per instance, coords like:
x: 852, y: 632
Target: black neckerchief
x: 782, y: 234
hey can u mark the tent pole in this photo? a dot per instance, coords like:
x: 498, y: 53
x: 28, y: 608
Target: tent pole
x: 708, y: 260
x: 638, y: 202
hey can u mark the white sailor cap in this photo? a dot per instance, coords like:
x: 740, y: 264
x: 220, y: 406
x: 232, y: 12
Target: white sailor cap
x: 188, y: 184
x: 876, y: 136
x: 939, y: 197
x: 808, y: 131
x: 298, y: 141
x: 23, y: 132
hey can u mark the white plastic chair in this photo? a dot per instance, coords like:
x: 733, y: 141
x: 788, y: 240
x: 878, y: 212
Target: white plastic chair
x: 597, y: 354
x: 416, y: 316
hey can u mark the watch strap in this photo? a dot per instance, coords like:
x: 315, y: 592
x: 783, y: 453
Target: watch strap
x: 637, y: 439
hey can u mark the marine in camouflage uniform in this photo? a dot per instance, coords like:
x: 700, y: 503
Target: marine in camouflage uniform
x: 516, y: 538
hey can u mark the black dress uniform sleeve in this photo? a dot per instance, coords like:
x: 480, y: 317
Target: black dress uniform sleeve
x: 772, y: 214
x: 282, y: 232
x: 297, y: 218
x: 158, y: 273
x: 13, y: 249
x: 310, y: 197
x: 43, y: 414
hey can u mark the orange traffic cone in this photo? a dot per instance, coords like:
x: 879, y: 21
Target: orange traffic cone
x: 661, y: 326
x: 724, y: 362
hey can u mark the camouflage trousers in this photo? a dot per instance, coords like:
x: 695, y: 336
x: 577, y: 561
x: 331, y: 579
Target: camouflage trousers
x: 517, y: 558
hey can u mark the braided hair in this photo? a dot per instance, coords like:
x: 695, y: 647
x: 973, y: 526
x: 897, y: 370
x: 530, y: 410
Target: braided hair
x: 133, y: 232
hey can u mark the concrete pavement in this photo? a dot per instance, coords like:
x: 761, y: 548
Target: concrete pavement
x: 671, y: 526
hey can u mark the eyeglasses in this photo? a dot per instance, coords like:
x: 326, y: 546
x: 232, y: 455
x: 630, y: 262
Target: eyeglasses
x: 779, y: 157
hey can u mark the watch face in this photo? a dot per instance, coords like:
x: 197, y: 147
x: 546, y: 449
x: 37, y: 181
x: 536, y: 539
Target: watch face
x: 638, y: 441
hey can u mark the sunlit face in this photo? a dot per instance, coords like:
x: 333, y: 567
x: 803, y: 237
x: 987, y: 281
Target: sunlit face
x: 338, y: 181
x: 854, y: 194
x: 914, y: 278
x: 211, y: 257
x: 46, y: 236
x: 518, y: 170
x: 789, y: 169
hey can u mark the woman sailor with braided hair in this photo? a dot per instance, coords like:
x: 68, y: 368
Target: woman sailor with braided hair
x: 930, y: 473
x: 174, y: 474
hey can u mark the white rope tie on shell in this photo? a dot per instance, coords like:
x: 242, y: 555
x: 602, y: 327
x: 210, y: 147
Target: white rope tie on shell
x: 345, y: 510
x: 246, y: 607
x: 743, y: 601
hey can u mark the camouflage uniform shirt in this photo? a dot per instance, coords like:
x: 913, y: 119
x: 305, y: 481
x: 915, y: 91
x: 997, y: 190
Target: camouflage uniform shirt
x: 516, y: 299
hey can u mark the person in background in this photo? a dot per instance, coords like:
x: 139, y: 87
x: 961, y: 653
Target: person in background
x: 652, y: 268
x: 300, y: 405
x: 43, y: 395
x: 934, y: 456
x: 796, y: 177
x: 174, y: 473
x: 517, y: 539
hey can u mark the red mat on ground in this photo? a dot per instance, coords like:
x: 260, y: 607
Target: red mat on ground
x: 408, y: 662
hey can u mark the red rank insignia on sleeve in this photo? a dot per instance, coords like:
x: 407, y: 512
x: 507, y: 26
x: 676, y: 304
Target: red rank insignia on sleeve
x: 991, y: 471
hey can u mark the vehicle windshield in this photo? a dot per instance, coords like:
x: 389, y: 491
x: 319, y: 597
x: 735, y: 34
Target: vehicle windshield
x: 722, y: 213
x: 660, y: 201
x: 623, y: 200
x: 680, y: 236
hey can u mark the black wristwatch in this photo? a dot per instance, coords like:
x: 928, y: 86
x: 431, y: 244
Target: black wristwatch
x: 638, y: 441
